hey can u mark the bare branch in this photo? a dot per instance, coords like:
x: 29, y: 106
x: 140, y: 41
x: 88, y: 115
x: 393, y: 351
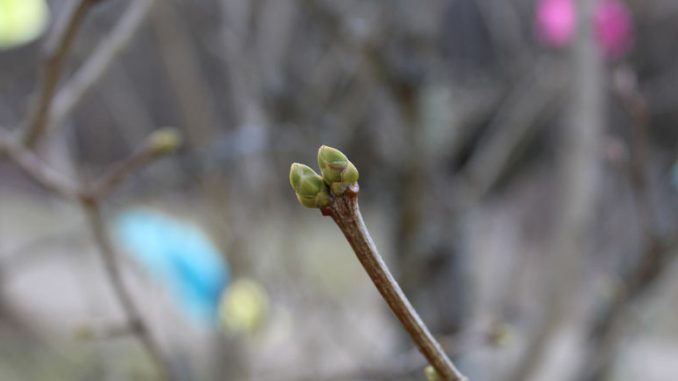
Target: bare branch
x: 158, y: 143
x: 37, y: 170
x: 103, y: 240
x: 52, y: 70
x: 657, y: 252
x: 98, y: 63
x: 579, y: 163
x: 346, y: 214
x: 514, y: 122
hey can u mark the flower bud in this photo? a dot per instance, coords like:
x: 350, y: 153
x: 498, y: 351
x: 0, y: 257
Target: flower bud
x: 309, y: 187
x: 431, y: 374
x: 337, y: 170
x: 163, y: 140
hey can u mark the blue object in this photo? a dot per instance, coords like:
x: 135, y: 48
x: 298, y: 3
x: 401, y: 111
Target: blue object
x: 179, y: 255
x: 674, y: 176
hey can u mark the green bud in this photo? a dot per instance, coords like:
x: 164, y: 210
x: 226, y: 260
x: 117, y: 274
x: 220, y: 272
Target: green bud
x: 309, y: 187
x: 164, y: 140
x: 337, y: 170
x: 431, y: 374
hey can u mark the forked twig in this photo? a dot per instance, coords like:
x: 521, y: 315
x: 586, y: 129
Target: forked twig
x: 20, y: 151
x: 160, y: 142
x: 36, y: 169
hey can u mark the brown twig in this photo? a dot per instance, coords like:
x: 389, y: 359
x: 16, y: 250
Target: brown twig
x: 52, y: 70
x: 103, y: 240
x: 160, y: 142
x: 37, y: 170
x: 98, y: 62
x: 156, y: 145
x: 21, y: 154
x: 346, y: 214
x: 111, y: 180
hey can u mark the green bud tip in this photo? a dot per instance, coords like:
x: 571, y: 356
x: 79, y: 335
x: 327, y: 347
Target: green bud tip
x: 336, y: 169
x: 431, y: 374
x: 164, y: 140
x: 309, y: 187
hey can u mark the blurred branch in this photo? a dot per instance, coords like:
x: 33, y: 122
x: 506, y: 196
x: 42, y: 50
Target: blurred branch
x: 606, y: 331
x: 159, y: 143
x: 52, y: 70
x: 99, y: 61
x: 103, y: 240
x: 346, y: 214
x: 657, y: 251
x: 37, y: 170
x: 90, y: 202
x: 579, y: 153
x: 516, y: 120
x: 184, y: 74
x: 626, y: 89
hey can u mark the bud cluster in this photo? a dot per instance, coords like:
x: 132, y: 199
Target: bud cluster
x: 315, y: 191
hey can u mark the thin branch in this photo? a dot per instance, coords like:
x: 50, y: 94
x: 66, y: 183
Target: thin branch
x: 346, y: 214
x: 100, y: 60
x: 578, y: 173
x: 515, y: 121
x: 657, y: 251
x: 36, y: 169
x: 185, y: 77
x: 103, y: 240
x: 110, y: 181
x: 160, y: 142
x: 52, y: 70
x: 606, y: 332
x: 626, y: 89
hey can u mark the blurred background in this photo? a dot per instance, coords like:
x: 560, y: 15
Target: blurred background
x: 517, y: 173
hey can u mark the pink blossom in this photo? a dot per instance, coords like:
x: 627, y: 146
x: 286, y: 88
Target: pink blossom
x: 613, y: 27
x: 556, y: 20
